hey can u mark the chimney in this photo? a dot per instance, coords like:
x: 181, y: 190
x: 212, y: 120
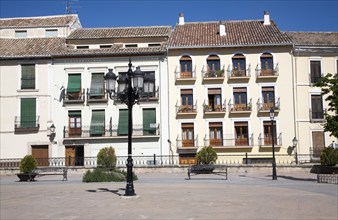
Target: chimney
x: 222, y: 28
x: 266, y: 18
x: 181, y: 19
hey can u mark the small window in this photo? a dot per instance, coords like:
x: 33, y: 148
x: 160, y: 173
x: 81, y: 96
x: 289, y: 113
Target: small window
x: 52, y: 33
x: 130, y: 45
x: 27, y: 76
x: 105, y: 46
x: 82, y: 47
x: 21, y: 34
x: 154, y: 45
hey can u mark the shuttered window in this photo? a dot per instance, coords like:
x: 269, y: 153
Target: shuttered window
x: 97, y: 85
x: 123, y: 122
x: 28, y: 113
x: 317, y: 107
x: 97, y: 123
x: 315, y: 71
x: 74, y: 83
x: 28, y: 76
x: 149, y: 121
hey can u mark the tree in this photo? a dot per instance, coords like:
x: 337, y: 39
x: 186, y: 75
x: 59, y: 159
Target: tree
x: 329, y: 86
x: 106, y: 158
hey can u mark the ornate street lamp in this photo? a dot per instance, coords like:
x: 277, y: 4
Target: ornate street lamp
x: 272, y: 117
x: 129, y: 90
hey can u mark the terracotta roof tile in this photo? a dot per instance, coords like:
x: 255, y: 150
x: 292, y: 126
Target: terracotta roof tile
x: 46, y: 21
x: 238, y: 33
x: 123, y: 32
x: 314, y: 38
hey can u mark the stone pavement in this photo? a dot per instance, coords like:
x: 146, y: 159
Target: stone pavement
x: 295, y: 195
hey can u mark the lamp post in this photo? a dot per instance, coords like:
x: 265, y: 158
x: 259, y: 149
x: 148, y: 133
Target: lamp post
x: 128, y: 92
x: 294, y: 143
x: 274, y: 172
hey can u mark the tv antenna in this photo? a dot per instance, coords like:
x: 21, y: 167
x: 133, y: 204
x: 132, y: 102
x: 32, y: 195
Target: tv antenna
x: 70, y: 4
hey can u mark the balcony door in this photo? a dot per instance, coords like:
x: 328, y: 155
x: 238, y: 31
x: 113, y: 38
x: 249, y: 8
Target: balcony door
x: 216, y: 133
x: 75, y: 124
x: 186, y: 67
x: 268, y: 133
x: 187, y: 135
x: 268, y: 98
x: 266, y: 64
x: 240, y: 99
x: 241, y: 134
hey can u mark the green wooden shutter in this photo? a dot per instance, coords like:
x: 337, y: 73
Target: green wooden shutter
x: 28, y: 76
x: 149, y: 117
x: 122, y: 128
x: 74, y: 83
x: 97, y: 84
x: 28, y: 113
x: 97, y: 123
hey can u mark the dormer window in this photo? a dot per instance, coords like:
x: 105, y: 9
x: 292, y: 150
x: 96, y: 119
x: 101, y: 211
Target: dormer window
x: 130, y: 45
x: 21, y: 34
x: 154, y: 45
x: 52, y: 33
x: 105, y: 46
x: 82, y: 47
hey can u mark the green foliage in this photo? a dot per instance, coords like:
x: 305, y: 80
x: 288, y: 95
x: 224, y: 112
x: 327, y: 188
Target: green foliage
x: 207, y: 155
x: 103, y: 175
x: 28, y: 164
x: 329, y: 88
x: 106, y: 158
x: 329, y: 156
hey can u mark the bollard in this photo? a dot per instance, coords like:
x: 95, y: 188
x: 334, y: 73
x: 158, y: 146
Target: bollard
x: 246, y: 158
x: 154, y: 159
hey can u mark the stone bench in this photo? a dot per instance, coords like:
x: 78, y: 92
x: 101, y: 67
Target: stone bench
x: 220, y: 170
x: 44, y: 171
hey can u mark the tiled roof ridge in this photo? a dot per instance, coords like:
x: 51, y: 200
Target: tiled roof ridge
x: 313, y: 32
x: 40, y: 17
x: 206, y: 22
x: 104, y: 28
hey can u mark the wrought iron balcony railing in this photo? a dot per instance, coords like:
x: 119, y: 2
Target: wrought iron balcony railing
x: 182, y: 109
x: 317, y: 116
x: 234, y: 72
x: 26, y: 124
x: 266, y: 139
x: 239, y: 107
x: 229, y: 141
x: 214, y: 108
x: 267, y: 73
x: 267, y: 106
x: 74, y: 97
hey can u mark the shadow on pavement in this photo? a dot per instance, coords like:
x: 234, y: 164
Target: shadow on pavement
x: 297, y: 178
x: 107, y: 190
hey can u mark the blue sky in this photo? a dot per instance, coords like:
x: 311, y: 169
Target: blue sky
x: 289, y: 15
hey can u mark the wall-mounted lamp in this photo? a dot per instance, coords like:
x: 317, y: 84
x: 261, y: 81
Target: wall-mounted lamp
x: 294, y: 142
x: 51, y: 134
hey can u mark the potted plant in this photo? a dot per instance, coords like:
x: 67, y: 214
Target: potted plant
x: 27, y: 165
x: 328, y: 161
x: 206, y: 158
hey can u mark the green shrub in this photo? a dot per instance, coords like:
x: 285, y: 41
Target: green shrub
x: 103, y: 175
x: 329, y: 156
x: 207, y: 155
x: 28, y: 164
x: 106, y: 158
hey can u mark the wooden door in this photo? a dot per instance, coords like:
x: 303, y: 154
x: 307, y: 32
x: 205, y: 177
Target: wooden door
x: 188, y: 135
x: 40, y: 153
x: 318, y: 142
x: 70, y: 156
x: 241, y: 134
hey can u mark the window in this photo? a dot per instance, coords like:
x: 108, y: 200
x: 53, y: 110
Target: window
x: 187, y: 135
x: 105, y: 46
x: 122, y: 128
x: 241, y: 134
x: 130, y: 45
x: 317, y: 111
x: 216, y: 133
x: 82, y: 47
x: 52, y: 33
x: 268, y: 133
x: 186, y: 67
x: 239, y: 65
x: 97, y: 125
x: 213, y: 63
x: 28, y: 76
x: 268, y: 95
x: 97, y: 86
x: 75, y: 123
x: 154, y: 45
x: 187, y: 99
x: 74, y: 86
x: 149, y: 84
x: 315, y: 71
x: 240, y: 99
x: 214, y: 99
x: 121, y: 80
x: 20, y: 34
x: 266, y: 64
x: 28, y: 113
x: 149, y: 121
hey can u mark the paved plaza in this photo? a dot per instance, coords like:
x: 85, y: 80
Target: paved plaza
x: 245, y: 195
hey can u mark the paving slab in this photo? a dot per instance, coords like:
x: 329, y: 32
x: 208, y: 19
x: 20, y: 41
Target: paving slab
x: 244, y: 195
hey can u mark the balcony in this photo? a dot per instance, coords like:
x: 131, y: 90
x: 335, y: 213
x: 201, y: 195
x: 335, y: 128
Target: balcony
x: 26, y: 124
x: 228, y: 141
x: 317, y: 116
x: 240, y: 108
x: 265, y: 140
x: 214, y: 110
x: 150, y: 96
x: 265, y: 107
x: 74, y: 97
x: 97, y: 95
x: 235, y: 74
x: 213, y: 76
x: 186, y: 110
x: 267, y: 74
x: 185, y: 77
x: 186, y: 146
x: 109, y: 131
